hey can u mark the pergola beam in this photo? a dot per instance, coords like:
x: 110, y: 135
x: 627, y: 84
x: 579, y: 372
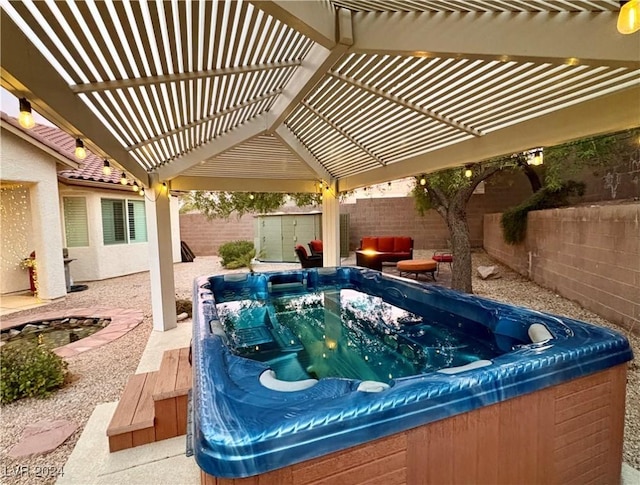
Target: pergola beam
x: 405, y: 104
x: 560, y: 37
x: 26, y: 72
x: 343, y: 133
x: 291, y: 141
x: 228, y: 184
x: 184, y: 76
x: 615, y: 112
x: 316, y: 20
x: 254, y: 127
x: 314, y: 67
x: 206, y: 119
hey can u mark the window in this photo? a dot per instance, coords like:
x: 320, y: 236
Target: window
x: 137, y: 221
x: 75, y: 221
x: 120, y: 226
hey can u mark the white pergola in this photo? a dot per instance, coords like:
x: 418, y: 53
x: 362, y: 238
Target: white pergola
x: 279, y: 95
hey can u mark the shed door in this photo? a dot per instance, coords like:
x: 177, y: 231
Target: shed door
x: 289, y: 240
x: 271, y: 239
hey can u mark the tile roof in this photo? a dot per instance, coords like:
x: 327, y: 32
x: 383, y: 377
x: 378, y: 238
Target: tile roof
x: 90, y: 168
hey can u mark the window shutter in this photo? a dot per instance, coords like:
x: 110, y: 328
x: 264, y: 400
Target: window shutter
x: 137, y: 221
x: 113, y: 217
x: 75, y: 221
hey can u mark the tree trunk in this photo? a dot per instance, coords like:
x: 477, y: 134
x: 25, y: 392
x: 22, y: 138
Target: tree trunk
x: 461, y: 250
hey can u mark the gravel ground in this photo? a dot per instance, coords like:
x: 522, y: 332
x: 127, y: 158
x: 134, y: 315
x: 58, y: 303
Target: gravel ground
x: 99, y: 376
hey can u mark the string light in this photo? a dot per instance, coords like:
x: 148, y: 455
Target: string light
x: 81, y: 153
x: 106, y: 168
x: 25, y: 118
x: 629, y: 17
x: 423, y: 180
x: 141, y: 192
x: 251, y: 196
x: 15, y: 220
x: 468, y: 171
x: 123, y: 179
x: 135, y: 187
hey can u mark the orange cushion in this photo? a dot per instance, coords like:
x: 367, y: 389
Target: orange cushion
x: 417, y: 265
x: 302, y: 251
x: 370, y: 243
x: 386, y: 244
x: 402, y: 244
x: 316, y: 246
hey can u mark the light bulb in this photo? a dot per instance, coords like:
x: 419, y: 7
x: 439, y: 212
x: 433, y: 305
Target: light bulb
x: 629, y: 17
x: 81, y: 153
x: 25, y: 118
x: 423, y: 181
x: 251, y: 196
x: 538, y: 158
x: 141, y: 191
x: 106, y: 168
x: 135, y: 186
x: 468, y: 173
x: 123, y: 179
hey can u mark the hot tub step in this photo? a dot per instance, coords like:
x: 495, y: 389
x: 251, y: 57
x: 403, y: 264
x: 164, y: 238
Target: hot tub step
x: 170, y: 394
x: 132, y: 423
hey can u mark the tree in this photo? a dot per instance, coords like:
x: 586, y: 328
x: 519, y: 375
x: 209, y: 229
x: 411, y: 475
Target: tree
x: 448, y: 192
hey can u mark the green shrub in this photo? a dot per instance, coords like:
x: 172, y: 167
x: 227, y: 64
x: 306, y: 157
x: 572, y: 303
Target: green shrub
x: 29, y: 370
x: 184, y: 306
x: 236, y: 254
x: 514, y: 220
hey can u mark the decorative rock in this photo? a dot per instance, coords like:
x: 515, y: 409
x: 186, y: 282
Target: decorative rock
x: 29, y: 328
x: 13, y: 332
x: 182, y: 316
x: 42, y: 437
x: 488, y: 272
x: 66, y: 320
x: 4, y: 336
x: 55, y: 324
x: 73, y: 321
x: 89, y: 322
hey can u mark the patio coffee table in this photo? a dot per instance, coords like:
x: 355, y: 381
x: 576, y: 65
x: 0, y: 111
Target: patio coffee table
x: 418, y: 266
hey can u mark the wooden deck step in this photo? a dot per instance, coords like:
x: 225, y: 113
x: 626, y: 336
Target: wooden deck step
x: 170, y: 394
x: 132, y: 423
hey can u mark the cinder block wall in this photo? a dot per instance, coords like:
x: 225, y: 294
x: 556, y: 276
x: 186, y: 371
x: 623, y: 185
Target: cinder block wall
x: 204, y: 237
x: 372, y: 217
x: 398, y: 216
x: 588, y: 254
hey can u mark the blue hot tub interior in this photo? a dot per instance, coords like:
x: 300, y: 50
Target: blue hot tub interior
x: 289, y: 366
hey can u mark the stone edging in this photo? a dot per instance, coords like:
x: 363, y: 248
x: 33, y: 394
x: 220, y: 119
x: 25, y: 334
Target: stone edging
x: 122, y: 321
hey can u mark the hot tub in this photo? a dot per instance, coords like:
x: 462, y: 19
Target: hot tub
x: 348, y: 374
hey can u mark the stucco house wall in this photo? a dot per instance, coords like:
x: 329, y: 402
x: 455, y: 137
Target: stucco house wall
x: 32, y: 217
x: 26, y: 165
x: 98, y: 261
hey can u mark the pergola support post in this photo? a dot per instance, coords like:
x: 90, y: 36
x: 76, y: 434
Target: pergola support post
x: 163, y: 299
x: 331, y: 225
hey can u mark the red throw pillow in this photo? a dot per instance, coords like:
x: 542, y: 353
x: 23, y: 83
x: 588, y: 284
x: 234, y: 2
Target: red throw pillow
x: 316, y: 246
x: 385, y: 244
x: 302, y: 251
x: 402, y: 244
x: 370, y: 243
